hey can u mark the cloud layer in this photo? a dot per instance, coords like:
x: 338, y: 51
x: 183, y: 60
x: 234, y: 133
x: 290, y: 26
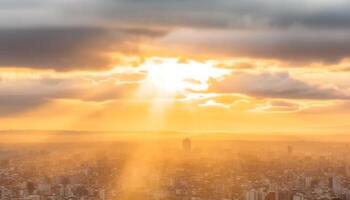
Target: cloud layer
x: 27, y: 93
x: 180, y: 13
x: 82, y: 34
x: 63, y: 48
x: 275, y: 85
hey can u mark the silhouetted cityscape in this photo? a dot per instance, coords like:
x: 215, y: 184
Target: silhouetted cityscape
x: 176, y: 170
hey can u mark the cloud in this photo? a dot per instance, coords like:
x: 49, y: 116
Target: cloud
x: 63, y: 48
x: 212, y: 103
x: 180, y: 13
x: 11, y: 104
x: 341, y: 69
x: 275, y: 85
x: 25, y: 94
x: 291, y: 30
x: 298, y: 46
x: 278, y: 106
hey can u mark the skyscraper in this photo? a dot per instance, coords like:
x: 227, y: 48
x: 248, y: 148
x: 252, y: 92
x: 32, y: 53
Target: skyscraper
x: 271, y: 196
x: 290, y: 150
x: 186, y: 144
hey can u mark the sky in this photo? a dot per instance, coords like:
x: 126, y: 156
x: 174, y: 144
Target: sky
x: 256, y: 66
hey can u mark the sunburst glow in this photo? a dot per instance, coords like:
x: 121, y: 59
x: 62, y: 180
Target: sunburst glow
x: 172, y: 76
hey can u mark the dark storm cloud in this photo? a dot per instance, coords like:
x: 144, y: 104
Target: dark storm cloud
x: 292, y: 45
x: 63, y: 48
x: 182, y: 13
x: 275, y: 85
x: 292, y: 30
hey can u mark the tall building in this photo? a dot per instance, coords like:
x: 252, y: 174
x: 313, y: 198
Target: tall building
x: 335, y: 185
x: 289, y: 150
x: 308, y: 181
x: 186, y: 144
x: 271, y: 196
x: 298, y: 196
x: 284, y: 195
x: 347, y: 194
x: 251, y: 195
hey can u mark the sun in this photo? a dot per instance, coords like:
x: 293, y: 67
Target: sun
x: 168, y: 78
x: 171, y: 76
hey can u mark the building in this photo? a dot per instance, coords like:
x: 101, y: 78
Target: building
x: 298, y: 196
x: 251, y: 195
x: 335, y: 185
x: 289, y: 150
x: 186, y: 145
x: 271, y: 196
